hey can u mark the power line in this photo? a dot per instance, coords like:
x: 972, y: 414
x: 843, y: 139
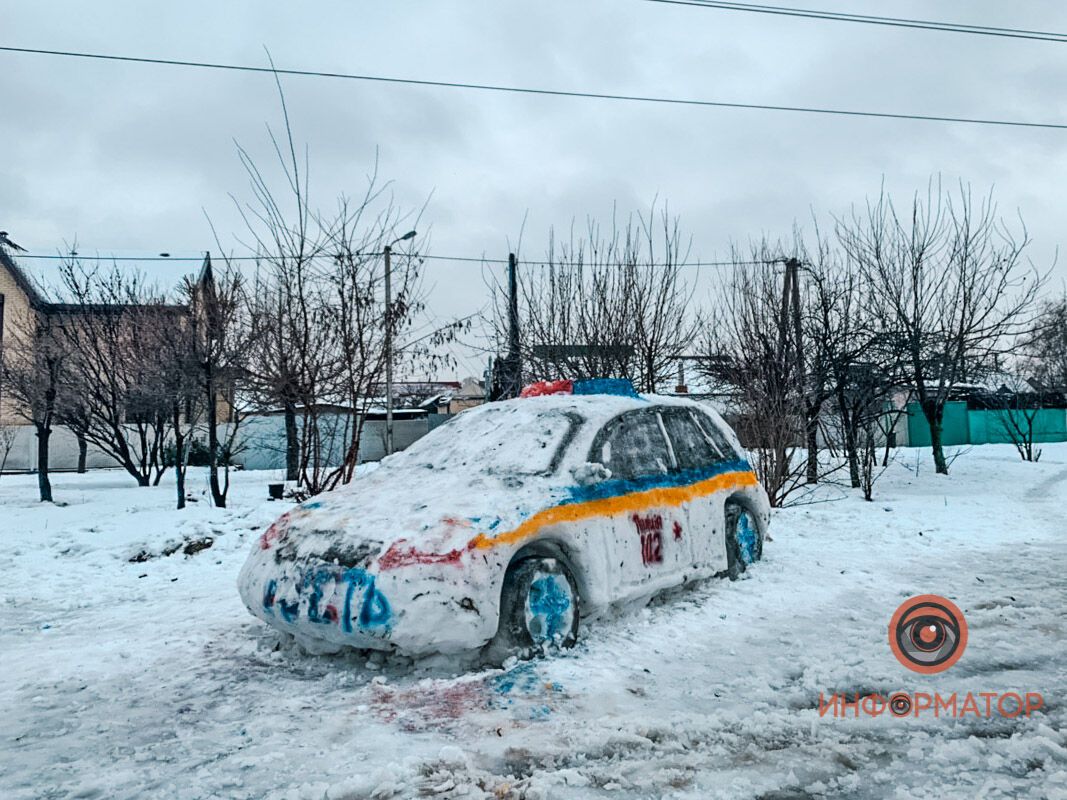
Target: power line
x: 427, y: 257
x: 542, y: 92
x: 200, y: 259
x: 896, y: 22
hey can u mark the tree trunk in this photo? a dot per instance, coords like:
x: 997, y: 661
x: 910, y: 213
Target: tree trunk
x: 292, y: 443
x: 159, y: 438
x: 848, y: 426
x: 124, y: 457
x: 868, y: 465
x: 934, y: 413
x: 888, y: 439
x: 142, y: 437
x: 83, y: 449
x: 217, y: 495
x: 44, y: 432
x: 811, y: 441
x: 179, y: 455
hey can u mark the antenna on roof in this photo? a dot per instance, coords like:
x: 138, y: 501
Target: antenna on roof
x: 5, y: 242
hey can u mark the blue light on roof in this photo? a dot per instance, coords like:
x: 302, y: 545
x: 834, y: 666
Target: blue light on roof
x: 615, y: 386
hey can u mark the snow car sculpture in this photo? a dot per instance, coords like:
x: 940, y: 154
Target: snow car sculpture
x: 510, y: 522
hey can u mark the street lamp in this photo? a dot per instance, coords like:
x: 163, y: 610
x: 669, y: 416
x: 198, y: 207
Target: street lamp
x: 388, y: 252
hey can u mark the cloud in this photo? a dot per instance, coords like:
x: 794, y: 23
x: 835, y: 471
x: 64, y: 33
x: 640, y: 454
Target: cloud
x: 128, y: 157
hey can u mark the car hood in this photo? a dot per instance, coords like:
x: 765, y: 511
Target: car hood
x: 401, y: 513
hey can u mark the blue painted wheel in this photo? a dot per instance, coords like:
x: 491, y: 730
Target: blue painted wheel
x: 550, y: 607
x: 747, y: 533
x: 744, y: 544
x: 538, y: 609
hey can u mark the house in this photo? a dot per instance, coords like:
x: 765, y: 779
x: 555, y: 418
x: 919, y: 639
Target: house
x: 19, y: 300
x: 471, y: 393
x: 29, y: 321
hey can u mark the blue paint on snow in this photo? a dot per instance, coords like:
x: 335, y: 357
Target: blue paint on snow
x: 615, y: 488
x: 522, y: 684
x: 290, y: 611
x: 268, y: 596
x: 549, y: 601
x: 315, y: 580
x: 524, y: 677
x: 747, y: 537
x: 616, y: 386
x: 373, y: 611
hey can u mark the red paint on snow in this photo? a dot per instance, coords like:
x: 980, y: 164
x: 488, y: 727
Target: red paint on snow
x: 398, y: 556
x: 542, y: 388
x: 274, y: 532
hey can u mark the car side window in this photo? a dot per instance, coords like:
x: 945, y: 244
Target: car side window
x: 692, y: 447
x: 632, y: 446
x: 715, y: 436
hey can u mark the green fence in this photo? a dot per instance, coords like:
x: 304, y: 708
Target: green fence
x: 1050, y: 425
x: 963, y: 426
x: 954, y: 427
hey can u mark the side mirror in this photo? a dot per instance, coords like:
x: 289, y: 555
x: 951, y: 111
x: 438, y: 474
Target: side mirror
x: 589, y: 473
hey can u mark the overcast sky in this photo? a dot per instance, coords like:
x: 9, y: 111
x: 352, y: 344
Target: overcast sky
x: 127, y: 157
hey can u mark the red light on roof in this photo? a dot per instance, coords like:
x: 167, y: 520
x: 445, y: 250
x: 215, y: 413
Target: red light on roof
x: 542, y: 388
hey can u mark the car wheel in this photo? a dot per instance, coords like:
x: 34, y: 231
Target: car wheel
x: 538, y: 609
x: 744, y: 544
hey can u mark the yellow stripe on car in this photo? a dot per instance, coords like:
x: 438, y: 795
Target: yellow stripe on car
x: 665, y: 496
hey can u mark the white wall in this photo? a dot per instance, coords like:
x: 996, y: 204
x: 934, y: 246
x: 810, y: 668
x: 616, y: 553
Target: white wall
x: 63, y: 450
x: 261, y: 439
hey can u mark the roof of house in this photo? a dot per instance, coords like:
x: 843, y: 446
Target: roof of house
x: 39, y: 301
x: 21, y: 279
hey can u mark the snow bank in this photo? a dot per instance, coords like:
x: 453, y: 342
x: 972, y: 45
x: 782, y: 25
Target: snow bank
x: 149, y: 679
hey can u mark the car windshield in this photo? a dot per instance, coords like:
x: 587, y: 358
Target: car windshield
x: 512, y: 439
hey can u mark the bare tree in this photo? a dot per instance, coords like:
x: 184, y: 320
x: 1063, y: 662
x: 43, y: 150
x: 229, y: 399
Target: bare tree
x: 34, y: 378
x: 318, y: 312
x: 851, y: 365
x: 113, y: 368
x: 946, y: 284
x: 747, y: 349
x: 605, y: 304
x: 1017, y: 409
x: 177, y: 401
x: 7, y: 442
x: 1043, y: 352
x: 221, y: 338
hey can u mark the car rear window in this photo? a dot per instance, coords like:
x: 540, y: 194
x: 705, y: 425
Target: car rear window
x: 692, y: 448
x: 716, y: 436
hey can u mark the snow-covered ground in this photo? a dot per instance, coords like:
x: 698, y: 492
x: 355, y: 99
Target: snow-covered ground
x: 149, y: 678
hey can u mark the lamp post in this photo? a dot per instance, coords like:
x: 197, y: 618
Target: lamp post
x: 388, y: 252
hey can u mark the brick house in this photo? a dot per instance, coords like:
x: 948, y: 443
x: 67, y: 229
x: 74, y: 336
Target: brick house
x: 20, y: 302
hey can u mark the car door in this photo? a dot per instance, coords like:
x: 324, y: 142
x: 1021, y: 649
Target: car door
x: 694, y: 457
x: 702, y: 448
x: 635, y: 449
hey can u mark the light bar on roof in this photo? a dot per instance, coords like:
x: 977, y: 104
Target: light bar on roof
x: 614, y: 386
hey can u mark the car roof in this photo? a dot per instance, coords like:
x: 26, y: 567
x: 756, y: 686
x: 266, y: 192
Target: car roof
x: 592, y: 406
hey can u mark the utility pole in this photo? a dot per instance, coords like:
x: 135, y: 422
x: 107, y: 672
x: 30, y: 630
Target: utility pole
x: 791, y: 296
x: 388, y: 253
x: 514, y: 354
x: 783, y: 319
x: 388, y: 350
x: 794, y: 265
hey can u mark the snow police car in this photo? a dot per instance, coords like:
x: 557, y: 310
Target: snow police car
x: 511, y: 521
